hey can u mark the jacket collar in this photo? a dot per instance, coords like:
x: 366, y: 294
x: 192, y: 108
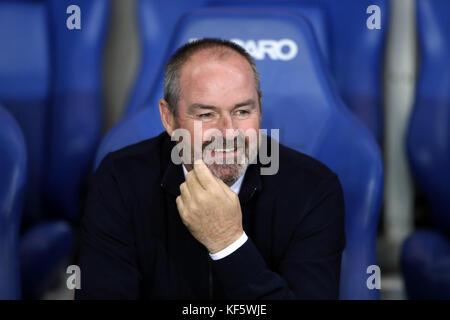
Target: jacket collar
x: 172, y: 174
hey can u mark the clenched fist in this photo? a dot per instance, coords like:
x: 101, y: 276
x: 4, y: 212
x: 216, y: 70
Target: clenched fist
x: 209, y: 209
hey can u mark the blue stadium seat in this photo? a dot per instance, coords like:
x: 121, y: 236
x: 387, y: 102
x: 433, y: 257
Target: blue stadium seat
x: 76, y: 109
x: 356, y: 52
x: 25, y: 87
x: 428, y: 140
x: 425, y: 261
x: 50, y: 80
x: 428, y: 147
x: 157, y: 19
x: 13, y: 168
x: 299, y: 99
x: 28, y: 263
x: 45, y: 250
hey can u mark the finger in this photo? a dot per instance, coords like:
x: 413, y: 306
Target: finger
x: 192, y: 183
x: 184, y: 192
x: 216, y: 183
x: 204, y: 175
x: 181, y: 207
x: 224, y: 187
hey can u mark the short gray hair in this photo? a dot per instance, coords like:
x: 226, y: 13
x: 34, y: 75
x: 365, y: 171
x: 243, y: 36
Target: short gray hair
x: 172, y: 91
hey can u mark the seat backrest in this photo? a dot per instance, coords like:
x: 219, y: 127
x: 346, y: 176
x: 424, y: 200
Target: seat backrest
x: 428, y: 140
x: 356, y: 52
x: 13, y: 167
x: 50, y: 80
x: 76, y: 106
x: 25, y: 86
x: 358, y: 57
x: 300, y: 100
x: 156, y: 23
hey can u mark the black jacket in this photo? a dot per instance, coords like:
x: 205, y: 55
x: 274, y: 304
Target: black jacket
x: 134, y: 244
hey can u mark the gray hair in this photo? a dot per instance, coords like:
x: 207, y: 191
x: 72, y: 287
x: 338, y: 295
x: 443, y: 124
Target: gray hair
x: 172, y: 91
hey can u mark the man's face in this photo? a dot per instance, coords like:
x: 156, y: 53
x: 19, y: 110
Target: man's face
x: 220, y: 93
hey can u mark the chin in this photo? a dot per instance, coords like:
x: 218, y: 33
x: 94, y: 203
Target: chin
x: 228, y: 173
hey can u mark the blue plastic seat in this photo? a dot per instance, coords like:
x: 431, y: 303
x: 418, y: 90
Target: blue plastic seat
x: 13, y: 168
x: 43, y: 247
x: 299, y: 99
x: 425, y: 262
x: 354, y: 51
x: 428, y: 148
x: 157, y: 20
x: 50, y: 81
x: 25, y: 87
x: 428, y: 139
x: 76, y: 108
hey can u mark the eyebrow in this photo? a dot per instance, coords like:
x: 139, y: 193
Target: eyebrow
x: 249, y: 102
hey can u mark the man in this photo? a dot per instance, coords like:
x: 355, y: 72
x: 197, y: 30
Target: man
x: 211, y: 229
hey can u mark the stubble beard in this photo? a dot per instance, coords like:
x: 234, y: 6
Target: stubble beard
x: 229, y: 173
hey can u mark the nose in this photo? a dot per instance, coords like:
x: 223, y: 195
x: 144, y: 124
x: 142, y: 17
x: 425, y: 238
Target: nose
x: 226, y: 126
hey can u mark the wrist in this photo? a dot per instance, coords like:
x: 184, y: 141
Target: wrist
x: 231, y: 248
x: 224, y: 244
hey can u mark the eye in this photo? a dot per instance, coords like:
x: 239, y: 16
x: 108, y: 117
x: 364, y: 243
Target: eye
x: 206, y: 116
x: 242, y: 113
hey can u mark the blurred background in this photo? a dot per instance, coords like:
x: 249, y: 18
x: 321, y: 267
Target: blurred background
x: 368, y: 90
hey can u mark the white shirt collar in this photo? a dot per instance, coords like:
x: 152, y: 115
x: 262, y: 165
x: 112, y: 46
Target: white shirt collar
x: 236, y: 187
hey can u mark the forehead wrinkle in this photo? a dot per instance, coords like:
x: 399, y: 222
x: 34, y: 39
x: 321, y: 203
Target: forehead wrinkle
x: 249, y: 102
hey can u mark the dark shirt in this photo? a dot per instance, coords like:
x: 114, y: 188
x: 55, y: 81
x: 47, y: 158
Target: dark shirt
x: 134, y: 244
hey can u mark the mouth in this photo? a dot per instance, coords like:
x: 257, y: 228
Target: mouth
x: 225, y: 150
x: 230, y: 152
x: 226, y: 153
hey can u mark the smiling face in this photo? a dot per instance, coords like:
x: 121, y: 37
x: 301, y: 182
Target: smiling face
x: 218, y: 90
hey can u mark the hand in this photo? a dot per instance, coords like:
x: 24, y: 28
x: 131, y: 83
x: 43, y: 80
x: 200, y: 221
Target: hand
x: 209, y: 209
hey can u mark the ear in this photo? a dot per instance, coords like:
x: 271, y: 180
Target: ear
x: 167, y: 117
